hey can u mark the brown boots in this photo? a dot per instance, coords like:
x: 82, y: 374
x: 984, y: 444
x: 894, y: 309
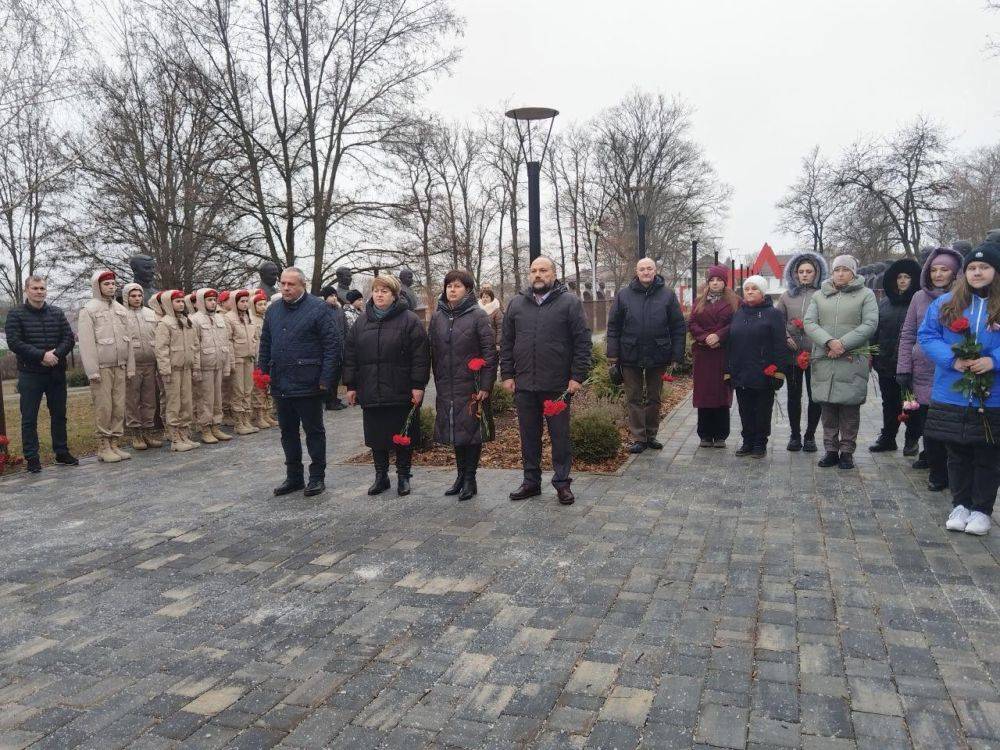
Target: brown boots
x: 219, y: 434
x: 142, y: 439
x: 179, y: 441
x: 260, y: 421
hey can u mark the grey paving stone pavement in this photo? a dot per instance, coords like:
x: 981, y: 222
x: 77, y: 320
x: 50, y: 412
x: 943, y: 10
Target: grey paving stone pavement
x: 695, y: 600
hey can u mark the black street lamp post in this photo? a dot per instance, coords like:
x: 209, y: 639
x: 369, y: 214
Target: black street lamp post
x: 694, y: 271
x: 527, y: 116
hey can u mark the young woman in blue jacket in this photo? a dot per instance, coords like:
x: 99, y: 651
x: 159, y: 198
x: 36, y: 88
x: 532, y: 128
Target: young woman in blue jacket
x: 969, y: 426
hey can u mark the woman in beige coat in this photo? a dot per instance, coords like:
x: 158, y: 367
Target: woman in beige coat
x: 178, y: 360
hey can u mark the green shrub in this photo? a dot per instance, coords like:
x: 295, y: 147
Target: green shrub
x: 594, y: 434
x: 76, y: 378
x: 501, y: 400
x: 426, y: 442
x: 600, y: 383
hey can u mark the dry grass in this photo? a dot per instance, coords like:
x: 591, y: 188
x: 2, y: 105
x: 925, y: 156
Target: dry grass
x: 79, y: 425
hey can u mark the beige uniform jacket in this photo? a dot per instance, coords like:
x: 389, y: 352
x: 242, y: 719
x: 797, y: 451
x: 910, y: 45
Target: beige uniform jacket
x: 102, y: 329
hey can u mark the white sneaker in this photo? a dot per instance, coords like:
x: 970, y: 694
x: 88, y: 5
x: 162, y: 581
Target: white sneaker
x: 979, y: 524
x: 958, y: 519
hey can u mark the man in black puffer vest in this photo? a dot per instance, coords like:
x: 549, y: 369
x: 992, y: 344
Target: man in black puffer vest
x: 646, y: 334
x: 40, y: 337
x: 545, y: 350
x: 300, y: 349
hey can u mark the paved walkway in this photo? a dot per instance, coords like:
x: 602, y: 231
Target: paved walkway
x: 697, y: 600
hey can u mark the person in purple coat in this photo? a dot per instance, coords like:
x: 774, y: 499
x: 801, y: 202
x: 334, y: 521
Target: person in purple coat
x: 709, y: 327
x: 914, y: 370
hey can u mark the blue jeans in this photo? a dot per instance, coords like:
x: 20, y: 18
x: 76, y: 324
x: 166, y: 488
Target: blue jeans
x: 306, y: 411
x: 31, y: 386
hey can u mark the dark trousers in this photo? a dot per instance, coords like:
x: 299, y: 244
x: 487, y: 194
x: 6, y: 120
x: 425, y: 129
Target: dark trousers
x: 935, y: 452
x: 795, y: 377
x: 31, y: 387
x: 974, y: 475
x: 755, y: 406
x: 404, y: 460
x: 306, y: 411
x: 643, y: 393
x: 529, y: 424
x: 467, y: 459
x: 331, y: 396
x: 713, y: 424
x: 892, y: 407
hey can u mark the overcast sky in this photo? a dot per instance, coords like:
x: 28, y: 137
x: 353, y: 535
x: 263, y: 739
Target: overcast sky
x: 767, y: 79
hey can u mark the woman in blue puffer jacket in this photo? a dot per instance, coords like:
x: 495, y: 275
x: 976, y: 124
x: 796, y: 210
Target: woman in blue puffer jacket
x: 970, y: 427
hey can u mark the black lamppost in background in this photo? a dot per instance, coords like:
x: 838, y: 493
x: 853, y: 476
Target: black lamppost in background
x: 640, y: 219
x: 524, y: 119
x: 694, y: 272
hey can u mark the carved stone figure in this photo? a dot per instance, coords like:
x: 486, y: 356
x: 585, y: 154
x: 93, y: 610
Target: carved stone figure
x: 144, y: 274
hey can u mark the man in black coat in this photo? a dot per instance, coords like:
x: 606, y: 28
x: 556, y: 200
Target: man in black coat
x: 545, y: 351
x: 300, y: 349
x: 646, y: 334
x: 40, y: 337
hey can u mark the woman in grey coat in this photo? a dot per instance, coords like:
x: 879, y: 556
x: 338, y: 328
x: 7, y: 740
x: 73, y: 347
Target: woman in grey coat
x: 842, y: 317
x: 463, y: 356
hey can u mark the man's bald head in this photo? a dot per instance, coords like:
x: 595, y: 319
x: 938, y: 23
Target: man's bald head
x: 543, y: 274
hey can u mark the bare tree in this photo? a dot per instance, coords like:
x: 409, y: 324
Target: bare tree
x: 811, y: 202
x: 503, y: 156
x: 35, y: 178
x: 334, y: 77
x: 863, y: 229
x: 904, y: 175
x: 161, y: 171
x: 974, y: 208
x: 650, y: 165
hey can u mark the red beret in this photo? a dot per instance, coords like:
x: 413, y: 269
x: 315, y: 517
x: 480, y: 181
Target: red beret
x: 105, y: 276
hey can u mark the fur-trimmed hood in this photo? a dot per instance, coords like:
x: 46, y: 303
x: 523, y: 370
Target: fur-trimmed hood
x: 822, y: 271
x: 903, y: 265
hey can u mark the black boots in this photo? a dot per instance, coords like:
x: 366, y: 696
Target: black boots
x: 381, y: 484
x: 456, y: 487
x: 832, y: 458
x: 469, y: 489
x: 795, y: 444
x: 809, y: 444
x: 403, y: 458
x: 884, y: 444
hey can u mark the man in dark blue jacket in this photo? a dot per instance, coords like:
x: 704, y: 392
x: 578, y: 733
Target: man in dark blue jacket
x: 40, y: 337
x: 300, y: 349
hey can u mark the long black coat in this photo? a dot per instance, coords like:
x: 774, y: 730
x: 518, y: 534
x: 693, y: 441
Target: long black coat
x: 543, y: 346
x: 756, y: 340
x: 32, y: 332
x: 646, y: 326
x: 892, y: 314
x: 385, y: 359
x: 457, y: 336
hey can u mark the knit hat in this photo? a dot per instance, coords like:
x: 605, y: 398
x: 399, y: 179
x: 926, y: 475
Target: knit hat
x: 845, y: 261
x: 327, y: 291
x: 717, y: 272
x: 988, y: 252
x: 756, y: 280
x: 354, y: 295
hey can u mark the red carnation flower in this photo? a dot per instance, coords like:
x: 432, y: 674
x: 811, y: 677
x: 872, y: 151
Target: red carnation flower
x: 803, y: 360
x: 903, y: 417
x: 261, y: 379
x: 770, y: 370
x: 959, y: 325
x: 552, y: 408
x: 4, y: 440
x: 797, y: 322
x: 476, y: 364
x: 402, y: 440
x: 667, y: 378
